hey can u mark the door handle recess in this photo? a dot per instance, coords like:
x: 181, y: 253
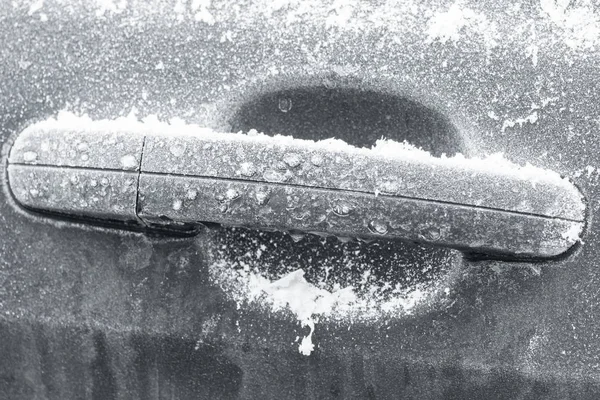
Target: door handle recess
x: 163, y: 175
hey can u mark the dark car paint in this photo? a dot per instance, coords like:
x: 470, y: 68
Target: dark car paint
x: 89, y: 312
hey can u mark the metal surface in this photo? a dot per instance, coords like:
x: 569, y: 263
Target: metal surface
x: 192, y: 200
x: 278, y: 183
x: 90, y: 192
x: 99, y: 313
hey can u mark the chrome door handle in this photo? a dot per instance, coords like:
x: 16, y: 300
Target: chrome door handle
x: 165, y: 175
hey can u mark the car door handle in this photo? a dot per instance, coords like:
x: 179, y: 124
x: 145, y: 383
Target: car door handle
x: 159, y: 175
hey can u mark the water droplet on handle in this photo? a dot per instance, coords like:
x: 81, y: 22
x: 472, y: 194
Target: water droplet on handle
x: 191, y: 194
x: 274, y: 176
x: 343, y: 209
x: 432, y: 233
x: 231, y: 194
x: 292, y: 160
x: 300, y: 215
x: 129, y: 162
x: 377, y: 226
x: 177, y: 150
x: 297, y: 236
x: 317, y: 160
x: 30, y: 156
x: 389, y: 187
x: 177, y: 204
x: 247, y: 169
x: 262, y: 197
x: 285, y: 104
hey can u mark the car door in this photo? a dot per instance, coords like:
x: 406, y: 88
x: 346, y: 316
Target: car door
x: 102, y: 311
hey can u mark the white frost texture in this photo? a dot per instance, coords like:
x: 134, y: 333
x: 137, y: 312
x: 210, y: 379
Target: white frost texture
x: 291, y: 292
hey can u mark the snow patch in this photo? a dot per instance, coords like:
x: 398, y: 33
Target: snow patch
x: 580, y: 23
x: 533, y: 49
x: 290, y: 291
x: 114, y: 6
x: 304, y: 300
x: 201, y: 13
x: 150, y: 125
x: 573, y: 234
x: 309, y: 303
x: 530, y: 119
x: 451, y: 24
x: 339, y: 14
x: 35, y: 6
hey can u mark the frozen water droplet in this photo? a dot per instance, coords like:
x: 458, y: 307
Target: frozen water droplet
x: 247, y: 169
x: 191, y: 194
x: 389, y: 187
x: 223, y: 208
x: 297, y: 236
x: 129, y: 162
x: 317, y: 160
x: 401, y: 225
x: 84, y: 157
x: 74, y: 179
x: 360, y: 175
x: 104, y: 181
x: 285, y: 104
x: 274, y: 176
x: 34, y: 192
x: 30, y: 156
x: 177, y: 204
x: 292, y: 160
x: 177, y: 150
x: 232, y: 194
x: 378, y: 226
x: 432, y: 233
x: 207, y: 146
x: 292, y: 202
x: 321, y: 218
x: 343, y: 209
x: 93, y: 183
x: 300, y: 215
x: 262, y: 197
x: 82, y: 147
